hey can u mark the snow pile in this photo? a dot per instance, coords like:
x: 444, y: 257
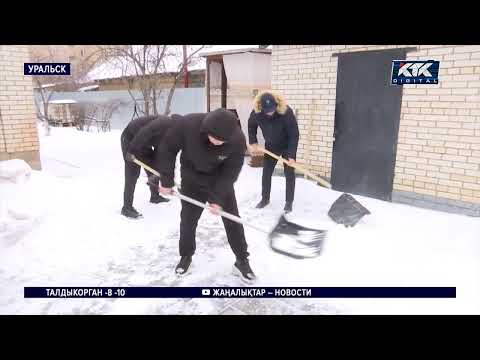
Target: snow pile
x: 24, y: 198
x: 16, y: 215
x: 14, y: 223
x: 16, y: 171
x: 19, y: 211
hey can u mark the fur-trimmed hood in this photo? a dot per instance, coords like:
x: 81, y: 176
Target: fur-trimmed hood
x: 281, y: 103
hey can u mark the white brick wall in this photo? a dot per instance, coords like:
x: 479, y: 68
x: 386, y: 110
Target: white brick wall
x: 439, y: 135
x: 18, y: 130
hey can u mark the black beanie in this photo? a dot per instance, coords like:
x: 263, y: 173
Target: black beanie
x: 220, y: 123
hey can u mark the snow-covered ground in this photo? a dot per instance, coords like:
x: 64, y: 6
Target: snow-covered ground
x: 62, y: 227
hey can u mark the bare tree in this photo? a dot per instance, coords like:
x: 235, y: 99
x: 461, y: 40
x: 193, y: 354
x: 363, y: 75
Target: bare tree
x: 189, y: 55
x: 144, y: 65
x: 105, y: 114
x: 47, y: 85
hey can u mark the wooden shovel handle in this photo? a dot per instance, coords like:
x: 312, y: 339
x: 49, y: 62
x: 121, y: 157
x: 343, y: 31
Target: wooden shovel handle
x: 145, y: 166
x: 298, y: 167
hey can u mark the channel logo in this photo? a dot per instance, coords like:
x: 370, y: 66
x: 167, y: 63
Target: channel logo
x: 415, y: 72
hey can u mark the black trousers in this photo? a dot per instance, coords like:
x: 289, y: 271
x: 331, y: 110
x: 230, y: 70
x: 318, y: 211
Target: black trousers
x: 190, y: 215
x: 132, y: 172
x: 269, y: 164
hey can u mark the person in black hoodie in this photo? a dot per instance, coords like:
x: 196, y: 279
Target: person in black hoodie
x: 141, y: 138
x: 212, y: 149
x: 280, y: 130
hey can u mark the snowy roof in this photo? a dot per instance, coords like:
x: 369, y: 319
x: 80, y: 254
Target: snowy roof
x: 120, y: 67
x: 233, y: 49
x: 91, y: 87
x: 66, y: 101
x: 46, y: 86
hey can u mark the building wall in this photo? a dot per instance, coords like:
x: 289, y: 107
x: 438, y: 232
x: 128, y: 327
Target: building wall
x: 242, y: 101
x: 18, y: 130
x: 438, y: 151
x: 248, y: 70
x: 247, y: 73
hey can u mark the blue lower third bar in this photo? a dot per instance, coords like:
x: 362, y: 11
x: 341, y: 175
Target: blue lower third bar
x: 240, y: 292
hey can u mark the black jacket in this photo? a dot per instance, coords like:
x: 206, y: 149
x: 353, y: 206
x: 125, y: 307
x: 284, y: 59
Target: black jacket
x: 135, y: 125
x: 213, y: 169
x: 279, y: 130
x: 150, y: 135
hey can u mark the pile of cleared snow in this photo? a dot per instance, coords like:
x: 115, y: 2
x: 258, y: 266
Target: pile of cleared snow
x: 14, y: 223
x: 16, y: 171
x: 18, y: 210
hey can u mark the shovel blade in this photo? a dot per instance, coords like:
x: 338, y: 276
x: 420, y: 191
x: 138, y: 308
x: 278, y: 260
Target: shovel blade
x: 347, y: 210
x: 296, y: 241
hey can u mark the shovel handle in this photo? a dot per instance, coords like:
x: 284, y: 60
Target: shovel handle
x: 221, y: 213
x: 145, y: 166
x: 198, y: 203
x: 298, y: 167
x: 205, y: 206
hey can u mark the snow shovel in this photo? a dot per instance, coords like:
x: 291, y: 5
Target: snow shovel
x: 345, y: 210
x: 286, y: 238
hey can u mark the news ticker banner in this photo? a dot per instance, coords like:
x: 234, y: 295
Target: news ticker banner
x: 239, y: 292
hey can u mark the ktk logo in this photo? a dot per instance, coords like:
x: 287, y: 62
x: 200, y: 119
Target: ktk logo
x: 416, y: 69
x: 415, y: 72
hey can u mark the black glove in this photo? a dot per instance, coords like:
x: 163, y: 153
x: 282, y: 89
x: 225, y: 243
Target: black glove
x: 153, y: 180
x: 129, y: 157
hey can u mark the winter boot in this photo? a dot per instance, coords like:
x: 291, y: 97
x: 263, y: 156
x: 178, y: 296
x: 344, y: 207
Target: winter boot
x: 242, y: 268
x: 183, y: 265
x: 131, y: 213
x: 262, y: 204
x: 288, y: 207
